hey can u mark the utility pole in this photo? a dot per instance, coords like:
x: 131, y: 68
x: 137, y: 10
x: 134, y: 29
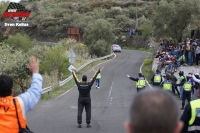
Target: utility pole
x: 136, y: 16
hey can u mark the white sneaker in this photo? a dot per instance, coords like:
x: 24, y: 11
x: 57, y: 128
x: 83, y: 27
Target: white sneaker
x: 98, y: 87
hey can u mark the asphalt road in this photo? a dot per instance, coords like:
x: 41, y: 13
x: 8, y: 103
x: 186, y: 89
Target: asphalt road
x: 110, y: 103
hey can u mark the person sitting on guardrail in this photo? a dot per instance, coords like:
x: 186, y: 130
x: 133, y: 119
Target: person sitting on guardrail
x: 148, y: 113
x: 84, y: 100
x: 13, y: 110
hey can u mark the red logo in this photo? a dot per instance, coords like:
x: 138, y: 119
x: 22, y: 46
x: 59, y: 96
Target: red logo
x: 16, y: 14
x: 16, y: 10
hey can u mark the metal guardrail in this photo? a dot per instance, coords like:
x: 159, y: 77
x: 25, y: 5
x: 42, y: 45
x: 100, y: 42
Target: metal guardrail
x: 80, y: 68
x: 45, y: 90
x: 61, y: 83
x: 50, y: 43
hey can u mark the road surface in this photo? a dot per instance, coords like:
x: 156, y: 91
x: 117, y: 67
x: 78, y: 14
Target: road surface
x: 110, y: 103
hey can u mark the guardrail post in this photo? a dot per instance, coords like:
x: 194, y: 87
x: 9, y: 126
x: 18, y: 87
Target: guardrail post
x: 48, y: 91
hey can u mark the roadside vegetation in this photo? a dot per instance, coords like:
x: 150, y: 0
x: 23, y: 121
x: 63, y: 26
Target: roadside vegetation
x: 146, y: 69
x: 16, y: 50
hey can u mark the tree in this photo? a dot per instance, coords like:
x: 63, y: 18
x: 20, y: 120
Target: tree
x: 146, y: 28
x: 54, y: 59
x: 172, y: 18
x: 13, y: 63
x: 97, y: 30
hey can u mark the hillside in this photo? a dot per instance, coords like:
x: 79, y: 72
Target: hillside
x: 51, y: 19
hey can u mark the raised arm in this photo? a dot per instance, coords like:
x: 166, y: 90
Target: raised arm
x: 75, y: 78
x: 131, y: 78
x: 94, y: 77
x: 30, y: 98
x: 195, y: 79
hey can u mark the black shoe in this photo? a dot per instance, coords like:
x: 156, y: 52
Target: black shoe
x: 79, y: 125
x: 88, y: 126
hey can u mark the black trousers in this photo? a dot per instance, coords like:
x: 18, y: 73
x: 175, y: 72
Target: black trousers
x: 186, y: 95
x: 197, y: 59
x: 84, y: 103
x: 140, y: 89
x: 176, y: 89
x: 186, y: 57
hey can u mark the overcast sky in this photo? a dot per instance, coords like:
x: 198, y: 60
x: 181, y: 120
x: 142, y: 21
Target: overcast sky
x: 11, y: 0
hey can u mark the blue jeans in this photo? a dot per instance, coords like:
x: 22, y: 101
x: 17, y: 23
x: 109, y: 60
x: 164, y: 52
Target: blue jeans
x: 190, y: 58
x: 171, y: 66
x: 97, y: 82
x: 181, y: 92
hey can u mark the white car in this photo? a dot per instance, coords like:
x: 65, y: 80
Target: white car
x: 116, y: 48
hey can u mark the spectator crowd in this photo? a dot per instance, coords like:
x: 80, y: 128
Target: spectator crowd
x: 171, y: 57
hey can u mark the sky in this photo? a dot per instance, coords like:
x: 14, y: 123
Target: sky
x: 10, y: 0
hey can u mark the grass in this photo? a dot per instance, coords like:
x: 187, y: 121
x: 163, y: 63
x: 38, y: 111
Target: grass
x: 136, y: 48
x: 58, y: 91
x: 77, y: 64
x: 146, y: 69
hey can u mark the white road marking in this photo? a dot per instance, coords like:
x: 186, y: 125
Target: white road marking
x: 75, y: 84
x: 64, y: 93
x: 102, y: 63
x: 110, y: 90
x: 145, y: 79
x: 73, y: 107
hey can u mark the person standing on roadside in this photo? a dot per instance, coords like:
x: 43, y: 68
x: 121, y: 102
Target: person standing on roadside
x: 84, y: 100
x: 167, y: 84
x: 197, y: 54
x: 182, y: 81
x: 157, y: 78
x: 10, y: 106
x: 98, y: 78
x: 187, y: 89
x: 140, y: 82
x: 174, y: 80
x: 191, y: 114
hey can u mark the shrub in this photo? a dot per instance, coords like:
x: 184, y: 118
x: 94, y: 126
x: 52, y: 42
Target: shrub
x: 20, y: 41
x: 148, y: 61
x: 100, y: 48
x: 54, y: 59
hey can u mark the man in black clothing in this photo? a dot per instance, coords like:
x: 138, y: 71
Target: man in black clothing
x: 140, y: 82
x: 174, y: 80
x: 84, y: 99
